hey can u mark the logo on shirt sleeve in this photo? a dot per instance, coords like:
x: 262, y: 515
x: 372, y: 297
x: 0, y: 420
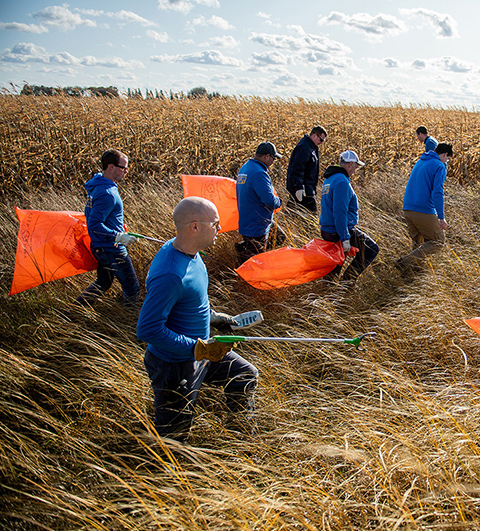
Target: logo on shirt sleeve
x: 242, y: 178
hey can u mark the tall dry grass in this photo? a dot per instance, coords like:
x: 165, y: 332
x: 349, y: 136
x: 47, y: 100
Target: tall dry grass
x: 384, y: 438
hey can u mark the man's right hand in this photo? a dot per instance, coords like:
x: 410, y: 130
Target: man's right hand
x: 124, y: 238
x: 443, y: 223
x: 214, y: 351
x: 346, y: 246
x: 299, y: 194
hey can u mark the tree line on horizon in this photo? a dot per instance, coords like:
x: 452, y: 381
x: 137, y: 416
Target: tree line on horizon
x: 112, y: 92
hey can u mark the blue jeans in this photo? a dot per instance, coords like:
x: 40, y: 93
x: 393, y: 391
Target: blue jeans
x: 176, y: 386
x: 367, y: 251
x: 111, y: 265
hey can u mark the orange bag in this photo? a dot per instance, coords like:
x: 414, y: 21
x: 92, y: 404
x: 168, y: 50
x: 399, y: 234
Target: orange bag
x: 221, y: 191
x: 50, y: 245
x: 474, y: 324
x: 289, y: 267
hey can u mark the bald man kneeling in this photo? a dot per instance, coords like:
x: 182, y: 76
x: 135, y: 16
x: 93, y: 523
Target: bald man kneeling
x: 175, y: 321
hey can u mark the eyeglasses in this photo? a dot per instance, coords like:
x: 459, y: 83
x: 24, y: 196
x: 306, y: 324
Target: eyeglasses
x: 124, y: 168
x: 322, y: 140
x: 214, y: 224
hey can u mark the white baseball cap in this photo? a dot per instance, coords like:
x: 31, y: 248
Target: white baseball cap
x: 351, y: 156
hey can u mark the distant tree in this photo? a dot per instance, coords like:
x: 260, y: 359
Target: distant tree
x: 197, y: 92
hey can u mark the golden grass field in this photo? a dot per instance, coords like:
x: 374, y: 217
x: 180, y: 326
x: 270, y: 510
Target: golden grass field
x: 386, y: 438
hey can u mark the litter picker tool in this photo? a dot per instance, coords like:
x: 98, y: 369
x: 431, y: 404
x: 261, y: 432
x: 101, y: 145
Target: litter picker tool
x: 145, y: 237
x: 238, y: 339
x: 247, y: 319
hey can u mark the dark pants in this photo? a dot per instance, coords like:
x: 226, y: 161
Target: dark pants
x: 308, y: 201
x: 252, y: 245
x: 111, y: 265
x: 176, y: 386
x: 367, y: 251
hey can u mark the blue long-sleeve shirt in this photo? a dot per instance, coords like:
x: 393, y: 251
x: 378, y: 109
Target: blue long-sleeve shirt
x: 430, y: 143
x: 424, y: 191
x: 339, y: 203
x: 104, y: 213
x: 256, y: 199
x: 176, y: 309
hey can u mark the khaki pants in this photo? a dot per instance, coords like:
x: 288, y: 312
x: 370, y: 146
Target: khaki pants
x: 427, y: 236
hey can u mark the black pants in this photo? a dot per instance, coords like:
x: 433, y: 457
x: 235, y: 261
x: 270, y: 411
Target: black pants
x: 252, y: 245
x: 367, y: 251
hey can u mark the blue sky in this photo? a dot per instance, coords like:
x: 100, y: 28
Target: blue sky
x: 360, y: 52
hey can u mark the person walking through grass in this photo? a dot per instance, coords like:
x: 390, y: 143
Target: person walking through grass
x: 302, y: 172
x: 423, y: 206
x: 423, y: 136
x: 339, y: 216
x: 109, y: 241
x: 256, y: 202
x: 175, y: 321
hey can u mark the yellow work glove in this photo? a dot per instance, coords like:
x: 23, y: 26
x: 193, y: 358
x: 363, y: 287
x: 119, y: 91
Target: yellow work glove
x: 213, y: 351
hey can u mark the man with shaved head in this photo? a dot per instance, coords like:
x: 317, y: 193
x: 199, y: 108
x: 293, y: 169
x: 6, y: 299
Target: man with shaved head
x: 175, y: 321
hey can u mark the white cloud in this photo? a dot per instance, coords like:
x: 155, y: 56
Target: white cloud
x: 304, y: 43
x: 446, y: 64
x: 329, y: 70
x: 297, y: 30
x: 386, y: 62
x: 19, y: 26
x: 271, y: 58
x: 159, y: 37
x: 374, y: 27
x: 130, y: 16
x: 182, y: 6
x: 444, y: 24
x: 286, y: 80
x: 226, y: 41
x: 217, y: 22
x: 419, y: 64
x: 208, y: 57
x: 62, y: 18
x: 27, y: 52
x: 267, y: 20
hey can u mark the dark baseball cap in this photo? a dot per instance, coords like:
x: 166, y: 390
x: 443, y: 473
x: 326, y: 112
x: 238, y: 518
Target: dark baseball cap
x: 267, y: 148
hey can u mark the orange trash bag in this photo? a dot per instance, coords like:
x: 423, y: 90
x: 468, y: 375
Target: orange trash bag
x: 50, y: 245
x: 289, y: 267
x: 474, y: 324
x: 221, y: 191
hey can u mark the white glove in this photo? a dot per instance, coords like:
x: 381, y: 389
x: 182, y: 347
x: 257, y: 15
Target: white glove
x: 299, y: 194
x: 124, y: 238
x: 346, y: 246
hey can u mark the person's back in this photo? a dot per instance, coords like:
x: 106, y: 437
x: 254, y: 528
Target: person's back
x: 424, y: 190
x: 256, y: 199
x: 339, y: 204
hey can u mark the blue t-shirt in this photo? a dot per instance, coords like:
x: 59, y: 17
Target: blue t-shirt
x: 424, y: 191
x: 104, y: 213
x: 176, y: 310
x: 256, y: 199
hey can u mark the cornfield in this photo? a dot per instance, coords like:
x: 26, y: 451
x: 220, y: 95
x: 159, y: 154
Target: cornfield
x: 58, y: 140
x: 383, y: 439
